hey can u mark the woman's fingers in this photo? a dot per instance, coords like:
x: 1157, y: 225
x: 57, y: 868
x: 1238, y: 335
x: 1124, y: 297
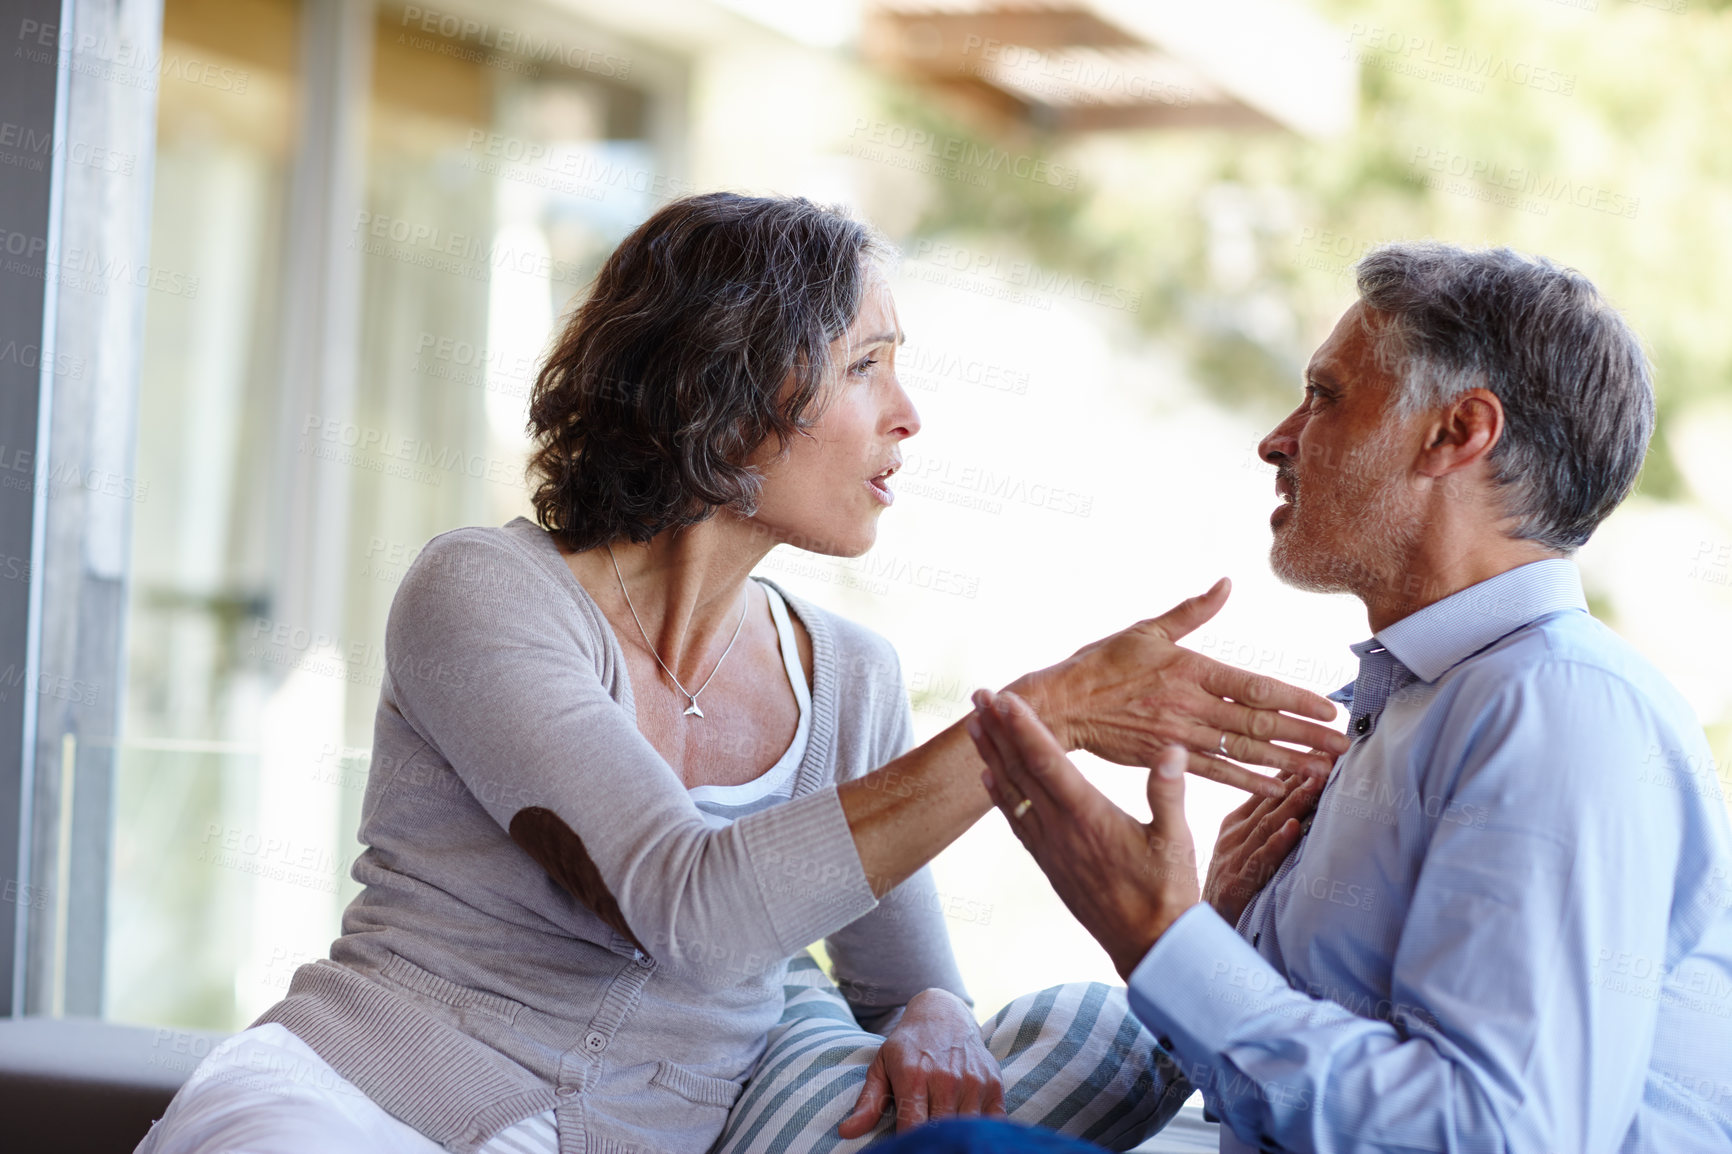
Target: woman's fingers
x: 874, y: 1096
x: 1308, y: 763
x: 1237, y: 776
x: 1193, y: 612
x: 912, y: 1104
x: 1261, y: 692
x: 1231, y: 717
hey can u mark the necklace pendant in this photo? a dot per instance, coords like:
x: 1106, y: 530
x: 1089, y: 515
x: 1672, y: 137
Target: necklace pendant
x: 693, y: 710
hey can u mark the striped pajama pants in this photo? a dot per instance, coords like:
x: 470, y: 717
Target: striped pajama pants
x: 1074, y: 1060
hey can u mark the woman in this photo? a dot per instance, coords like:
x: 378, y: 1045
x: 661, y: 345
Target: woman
x: 617, y: 783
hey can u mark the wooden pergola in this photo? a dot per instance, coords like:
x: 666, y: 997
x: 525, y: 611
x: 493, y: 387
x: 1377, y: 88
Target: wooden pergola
x: 1088, y: 65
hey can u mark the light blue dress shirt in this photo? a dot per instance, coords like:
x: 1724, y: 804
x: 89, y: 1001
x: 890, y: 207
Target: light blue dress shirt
x: 1509, y: 925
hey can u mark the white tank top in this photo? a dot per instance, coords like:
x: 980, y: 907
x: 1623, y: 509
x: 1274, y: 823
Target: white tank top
x: 721, y: 805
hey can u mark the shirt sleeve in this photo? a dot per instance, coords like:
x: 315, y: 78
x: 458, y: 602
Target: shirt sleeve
x: 490, y: 665
x: 1501, y: 1032
x: 903, y: 946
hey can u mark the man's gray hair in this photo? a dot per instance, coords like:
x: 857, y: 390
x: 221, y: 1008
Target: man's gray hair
x: 1577, y: 396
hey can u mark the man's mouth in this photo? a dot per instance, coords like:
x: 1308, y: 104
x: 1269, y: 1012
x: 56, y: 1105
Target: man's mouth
x: 1285, y: 490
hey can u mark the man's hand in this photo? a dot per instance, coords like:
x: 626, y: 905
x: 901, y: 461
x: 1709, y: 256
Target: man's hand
x: 1254, y: 840
x: 1126, y: 882
x: 934, y: 1064
x: 1129, y: 697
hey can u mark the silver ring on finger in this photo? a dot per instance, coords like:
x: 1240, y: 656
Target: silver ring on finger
x: 1223, y: 744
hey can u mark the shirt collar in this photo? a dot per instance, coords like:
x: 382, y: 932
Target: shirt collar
x: 1442, y: 635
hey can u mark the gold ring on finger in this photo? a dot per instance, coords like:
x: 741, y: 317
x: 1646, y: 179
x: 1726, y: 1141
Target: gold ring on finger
x: 1022, y: 807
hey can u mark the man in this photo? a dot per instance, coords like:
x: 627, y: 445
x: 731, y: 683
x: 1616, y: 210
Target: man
x: 1508, y: 926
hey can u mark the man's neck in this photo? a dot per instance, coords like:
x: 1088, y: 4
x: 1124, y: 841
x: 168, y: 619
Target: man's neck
x: 1441, y: 567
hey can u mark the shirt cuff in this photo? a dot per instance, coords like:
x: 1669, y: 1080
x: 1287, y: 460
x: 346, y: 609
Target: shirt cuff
x: 1198, y: 986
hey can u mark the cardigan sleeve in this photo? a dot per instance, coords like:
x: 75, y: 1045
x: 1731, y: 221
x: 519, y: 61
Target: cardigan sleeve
x: 902, y: 947
x: 490, y: 666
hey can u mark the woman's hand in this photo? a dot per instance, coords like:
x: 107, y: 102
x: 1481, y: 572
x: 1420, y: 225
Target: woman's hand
x: 1254, y: 840
x: 1129, y: 696
x: 933, y: 1065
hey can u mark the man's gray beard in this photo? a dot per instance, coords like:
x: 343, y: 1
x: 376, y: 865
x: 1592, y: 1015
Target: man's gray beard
x: 1366, y: 555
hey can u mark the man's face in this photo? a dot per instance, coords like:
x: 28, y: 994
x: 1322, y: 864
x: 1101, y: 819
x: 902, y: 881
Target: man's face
x: 1350, y: 518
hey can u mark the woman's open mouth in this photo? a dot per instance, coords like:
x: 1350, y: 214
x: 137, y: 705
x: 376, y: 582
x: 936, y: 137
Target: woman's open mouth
x: 880, y: 485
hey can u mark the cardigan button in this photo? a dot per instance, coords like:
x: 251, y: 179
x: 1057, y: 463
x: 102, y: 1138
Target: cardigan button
x: 595, y: 1042
x: 567, y: 1091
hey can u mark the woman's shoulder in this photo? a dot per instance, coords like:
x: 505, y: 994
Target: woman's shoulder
x: 477, y: 572
x: 854, y: 650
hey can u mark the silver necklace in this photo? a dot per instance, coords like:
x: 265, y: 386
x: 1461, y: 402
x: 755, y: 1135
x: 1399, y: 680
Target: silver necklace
x: 692, y: 710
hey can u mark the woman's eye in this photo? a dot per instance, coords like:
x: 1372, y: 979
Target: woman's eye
x: 865, y: 366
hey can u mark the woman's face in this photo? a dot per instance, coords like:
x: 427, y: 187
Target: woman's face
x: 826, y: 494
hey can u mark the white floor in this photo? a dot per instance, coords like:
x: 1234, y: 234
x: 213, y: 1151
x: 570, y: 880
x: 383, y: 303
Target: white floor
x: 1187, y: 1133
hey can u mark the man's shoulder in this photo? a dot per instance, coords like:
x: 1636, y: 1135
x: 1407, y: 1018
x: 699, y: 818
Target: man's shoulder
x: 1571, y: 662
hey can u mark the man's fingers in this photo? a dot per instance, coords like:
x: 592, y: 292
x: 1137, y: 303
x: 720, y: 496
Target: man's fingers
x: 1192, y: 612
x: 1263, y: 863
x: 1264, y: 692
x: 1022, y: 749
x: 1167, y: 795
x: 1023, y: 827
x: 1041, y: 758
x: 870, y: 1105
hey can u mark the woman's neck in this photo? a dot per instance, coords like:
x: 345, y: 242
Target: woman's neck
x: 685, y: 586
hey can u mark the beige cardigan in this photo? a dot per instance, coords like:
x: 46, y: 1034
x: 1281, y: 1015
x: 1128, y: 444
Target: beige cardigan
x: 548, y: 922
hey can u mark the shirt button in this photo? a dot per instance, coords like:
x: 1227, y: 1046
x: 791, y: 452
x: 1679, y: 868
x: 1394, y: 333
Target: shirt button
x: 594, y: 1042
x: 567, y: 1091
x: 1363, y: 724
x: 1166, y: 1043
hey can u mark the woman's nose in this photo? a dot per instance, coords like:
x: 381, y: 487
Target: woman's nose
x: 904, y: 418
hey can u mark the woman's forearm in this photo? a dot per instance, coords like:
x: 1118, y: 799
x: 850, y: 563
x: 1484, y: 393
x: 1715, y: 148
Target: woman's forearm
x: 904, y: 813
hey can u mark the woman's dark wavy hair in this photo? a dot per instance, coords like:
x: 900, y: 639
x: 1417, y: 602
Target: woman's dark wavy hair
x: 671, y: 374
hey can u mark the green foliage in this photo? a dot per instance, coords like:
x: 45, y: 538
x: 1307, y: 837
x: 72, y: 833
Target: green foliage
x: 1595, y: 136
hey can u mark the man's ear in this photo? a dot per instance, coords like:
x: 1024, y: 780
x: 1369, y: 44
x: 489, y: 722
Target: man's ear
x: 1463, y: 434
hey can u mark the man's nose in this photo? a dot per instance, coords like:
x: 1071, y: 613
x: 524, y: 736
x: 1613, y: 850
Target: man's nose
x: 1282, y: 443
